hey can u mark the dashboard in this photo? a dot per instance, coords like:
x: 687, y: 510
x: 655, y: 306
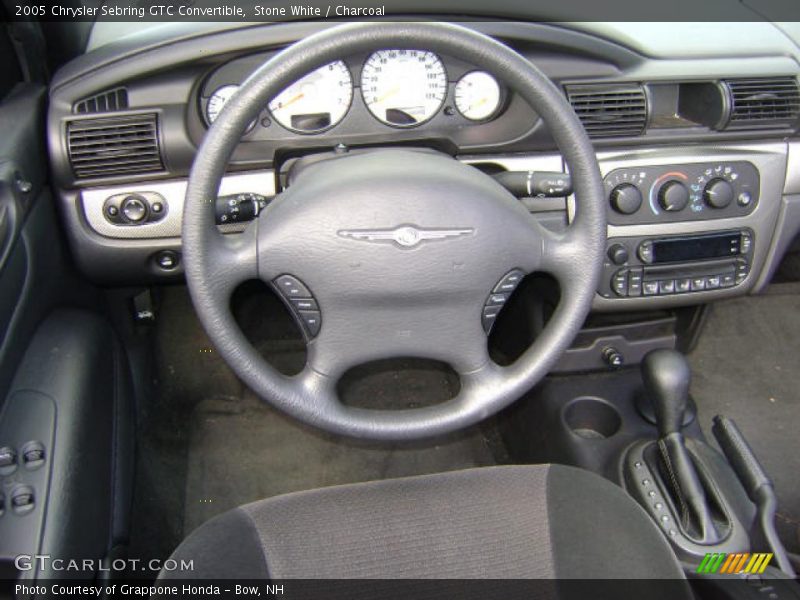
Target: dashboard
x: 697, y: 145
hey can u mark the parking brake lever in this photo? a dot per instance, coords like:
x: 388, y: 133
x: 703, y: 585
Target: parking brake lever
x: 755, y: 481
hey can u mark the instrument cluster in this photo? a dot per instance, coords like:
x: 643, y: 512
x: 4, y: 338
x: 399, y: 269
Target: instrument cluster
x: 401, y: 88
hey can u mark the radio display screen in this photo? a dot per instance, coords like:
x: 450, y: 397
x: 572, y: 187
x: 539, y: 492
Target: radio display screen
x: 696, y: 248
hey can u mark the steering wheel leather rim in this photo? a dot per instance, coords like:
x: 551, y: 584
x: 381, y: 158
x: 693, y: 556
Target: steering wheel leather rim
x: 216, y: 264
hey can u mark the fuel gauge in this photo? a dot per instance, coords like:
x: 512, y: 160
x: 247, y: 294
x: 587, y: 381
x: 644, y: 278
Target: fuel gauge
x: 478, y: 96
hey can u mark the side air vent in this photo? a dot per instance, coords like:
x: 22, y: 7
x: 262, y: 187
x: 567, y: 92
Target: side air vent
x: 610, y: 110
x: 763, y: 103
x: 114, y: 145
x: 108, y: 101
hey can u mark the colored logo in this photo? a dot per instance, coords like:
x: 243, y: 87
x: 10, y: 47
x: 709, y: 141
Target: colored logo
x: 732, y: 564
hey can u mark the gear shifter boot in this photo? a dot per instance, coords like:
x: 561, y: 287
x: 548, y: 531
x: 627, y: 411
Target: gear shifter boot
x: 686, y: 490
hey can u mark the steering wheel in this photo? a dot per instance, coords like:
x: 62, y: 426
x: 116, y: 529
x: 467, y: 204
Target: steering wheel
x: 399, y: 249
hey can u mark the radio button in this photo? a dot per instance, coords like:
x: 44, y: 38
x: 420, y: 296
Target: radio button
x: 713, y: 282
x: 727, y: 281
x: 635, y: 282
x: 650, y: 288
x: 698, y: 284
x: 619, y: 283
x: 646, y: 252
x: 746, y: 243
x: 666, y: 286
x: 683, y: 285
x: 618, y: 254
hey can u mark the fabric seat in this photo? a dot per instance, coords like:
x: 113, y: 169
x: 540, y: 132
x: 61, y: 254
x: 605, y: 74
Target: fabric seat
x: 538, y: 521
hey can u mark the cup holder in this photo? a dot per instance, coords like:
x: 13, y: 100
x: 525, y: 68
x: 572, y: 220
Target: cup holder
x: 592, y: 418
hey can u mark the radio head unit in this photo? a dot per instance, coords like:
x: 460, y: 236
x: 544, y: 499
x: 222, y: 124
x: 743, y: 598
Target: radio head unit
x: 678, y: 264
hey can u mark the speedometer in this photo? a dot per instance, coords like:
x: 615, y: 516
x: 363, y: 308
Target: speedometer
x: 317, y: 102
x: 403, y: 87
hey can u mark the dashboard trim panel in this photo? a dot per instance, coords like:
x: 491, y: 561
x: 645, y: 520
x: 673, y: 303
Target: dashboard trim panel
x: 173, y: 193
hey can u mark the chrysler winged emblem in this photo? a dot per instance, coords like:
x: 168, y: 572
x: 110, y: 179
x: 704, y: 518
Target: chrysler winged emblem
x: 405, y: 236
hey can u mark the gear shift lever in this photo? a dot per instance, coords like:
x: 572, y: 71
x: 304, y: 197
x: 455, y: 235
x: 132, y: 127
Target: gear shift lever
x: 667, y: 376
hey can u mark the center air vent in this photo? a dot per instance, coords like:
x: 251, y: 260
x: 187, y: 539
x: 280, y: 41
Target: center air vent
x: 114, y: 145
x: 763, y: 103
x: 610, y: 110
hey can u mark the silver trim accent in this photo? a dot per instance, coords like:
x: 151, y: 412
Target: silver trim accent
x: 173, y: 192
x: 792, y: 184
x: 404, y: 236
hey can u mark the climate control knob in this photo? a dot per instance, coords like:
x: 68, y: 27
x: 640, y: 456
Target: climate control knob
x: 673, y: 196
x: 626, y: 198
x: 718, y: 193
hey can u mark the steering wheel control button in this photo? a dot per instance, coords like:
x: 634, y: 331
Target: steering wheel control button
x: 499, y: 296
x: 33, y: 455
x: 291, y: 287
x: 305, y: 304
x: 302, y: 303
x: 312, y: 321
x: 509, y: 283
x: 497, y: 300
x: 8, y: 460
x: 22, y: 499
x: 489, y: 317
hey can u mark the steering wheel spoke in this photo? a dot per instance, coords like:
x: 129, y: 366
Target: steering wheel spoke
x: 564, y: 257
x: 232, y: 259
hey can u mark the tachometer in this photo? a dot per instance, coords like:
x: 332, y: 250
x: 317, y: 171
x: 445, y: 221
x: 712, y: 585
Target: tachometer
x: 317, y: 102
x: 403, y: 87
x: 217, y: 101
x: 477, y: 96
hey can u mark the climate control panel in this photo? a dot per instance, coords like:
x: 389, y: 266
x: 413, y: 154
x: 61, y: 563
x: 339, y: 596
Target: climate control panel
x: 689, y: 192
